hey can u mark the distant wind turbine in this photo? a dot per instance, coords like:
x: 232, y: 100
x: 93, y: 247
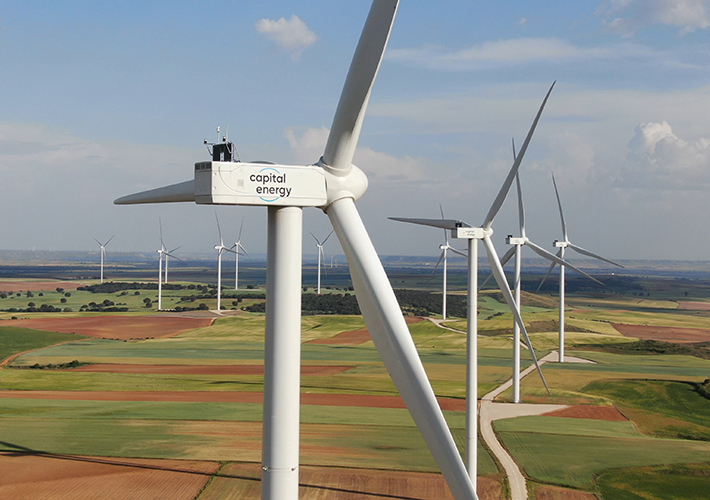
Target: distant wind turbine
x: 103, y: 254
x: 562, y: 245
x: 239, y: 248
x: 463, y: 230
x: 320, y: 255
x: 166, y: 254
x: 220, y: 250
x: 162, y: 253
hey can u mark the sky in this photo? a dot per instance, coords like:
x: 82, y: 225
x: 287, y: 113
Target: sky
x: 103, y: 99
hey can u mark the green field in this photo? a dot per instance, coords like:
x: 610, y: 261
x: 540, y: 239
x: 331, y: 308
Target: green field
x: 16, y: 340
x: 665, y: 482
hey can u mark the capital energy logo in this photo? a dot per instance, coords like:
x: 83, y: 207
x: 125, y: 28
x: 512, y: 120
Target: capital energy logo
x: 270, y: 184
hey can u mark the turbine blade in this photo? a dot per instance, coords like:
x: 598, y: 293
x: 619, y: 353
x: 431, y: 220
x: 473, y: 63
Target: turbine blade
x: 446, y: 233
x: 559, y: 204
x: 442, y: 223
x: 441, y: 257
x: 240, y: 246
x: 219, y: 230
x: 349, y: 115
x: 176, y: 249
x: 314, y: 237
x: 394, y: 342
x: 326, y: 238
x: 241, y: 226
x: 497, y: 270
x: 552, y: 266
x: 581, y: 250
x: 503, y: 193
x: 171, y: 255
x: 109, y: 241
x: 459, y: 252
x: 550, y: 256
x: 184, y: 191
x: 521, y: 207
x: 160, y: 225
x: 508, y: 255
x: 97, y: 241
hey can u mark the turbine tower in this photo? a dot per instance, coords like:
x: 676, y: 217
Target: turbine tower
x: 239, y: 248
x: 220, y: 250
x: 463, y: 230
x: 102, y: 247
x: 166, y: 254
x: 563, y: 245
x: 332, y: 184
x: 162, y: 253
x: 320, y: 255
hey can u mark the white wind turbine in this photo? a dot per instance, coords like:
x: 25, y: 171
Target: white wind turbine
x: 516, y: 249
x: 463, y: 230
x: 220, y: 250
x: 562, y: 245
x: 444, y: 257
x: 165, y: 253
x: 162, y: 253
x: 102, y: 246
x: 333, y: 184
x: 321, y: 255
x: 238, y: 249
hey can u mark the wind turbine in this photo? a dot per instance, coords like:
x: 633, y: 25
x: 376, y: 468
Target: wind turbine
x: 562, y: 245
x: 162, y: 253
x: 444, y: 249
x: 103, y: 254
x: 238, y: 248
x: 463, y: 230
x: 320, y: 255
x: 220, y: 250
x: 332, y: 184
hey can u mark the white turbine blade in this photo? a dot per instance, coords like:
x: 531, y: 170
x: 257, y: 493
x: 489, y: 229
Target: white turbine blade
x: 503, y: 193
x: 326, y: 238
x: 459, y: 252
x: 241, y: 226
x: 184, y: 191
x: 314, y: 237
x: 171, y: 255
x: 562, y: 215
x: 109, y: 241
x: 550, y: 256
x: 347, y: 122
x: 497, y: 270
x: 508, y: 255
x: 441, y: 257
x: 241, y: 247
x: 442, y: 223
x: 521, y: 207
x: 393, y: 341
x: 160, y: 225
x: 552, y: 266
x: 581, y: 250
x: 97, y: 241
x: 176, y: 249
x: 446, y: 233
x: 219, y: 230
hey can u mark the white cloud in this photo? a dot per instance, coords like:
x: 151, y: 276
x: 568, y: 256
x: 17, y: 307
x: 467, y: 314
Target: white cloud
x: 292, y: 35
x: 515, y: 51
x: 522, y: 21
x: 307, y: 147
x: 628, y: 16
x: 660, y: 159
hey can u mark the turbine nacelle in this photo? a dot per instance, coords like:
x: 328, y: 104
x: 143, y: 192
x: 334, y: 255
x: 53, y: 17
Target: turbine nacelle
x: 560, y: 244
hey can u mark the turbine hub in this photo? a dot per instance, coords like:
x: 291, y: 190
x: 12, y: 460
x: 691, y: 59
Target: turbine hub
x: 352, y: 184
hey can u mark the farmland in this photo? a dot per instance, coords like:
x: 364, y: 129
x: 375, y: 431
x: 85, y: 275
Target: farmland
x: 178, y: 396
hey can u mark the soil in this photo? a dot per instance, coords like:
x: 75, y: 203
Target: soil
x: 694, y: 306
x: 37, y: 286
x: 545, y: 492
x: 608, y: 413
x: 70, y: 477
x: 365, y: 401
x: 116, y: 327
x: 664, y: 333
x: 357, y: 337
x: 204, y: 369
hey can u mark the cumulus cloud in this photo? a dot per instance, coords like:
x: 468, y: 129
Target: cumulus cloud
x: 628, y: 16
x: 659, y: 158
x: 515, y: 51
x: 308, y: 145
x: 291, y: 35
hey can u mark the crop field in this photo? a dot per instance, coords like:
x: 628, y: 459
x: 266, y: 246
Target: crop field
x: 177, y: 396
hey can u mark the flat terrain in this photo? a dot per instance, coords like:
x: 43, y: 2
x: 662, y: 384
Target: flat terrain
x: 35, y: 286
x: 668, y: 334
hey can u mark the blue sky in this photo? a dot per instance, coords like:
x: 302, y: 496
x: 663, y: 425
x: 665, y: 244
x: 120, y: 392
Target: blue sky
x: 102, y: 99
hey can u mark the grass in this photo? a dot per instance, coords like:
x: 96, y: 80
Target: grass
x: 665, y: 482
x: 16, y: 340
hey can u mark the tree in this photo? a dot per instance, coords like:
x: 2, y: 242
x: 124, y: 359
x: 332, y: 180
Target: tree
x: 60, y: 289
x: 63, y: 300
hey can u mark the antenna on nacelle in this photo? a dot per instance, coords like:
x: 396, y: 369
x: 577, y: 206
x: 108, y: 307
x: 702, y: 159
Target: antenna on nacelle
x: 222, y: 150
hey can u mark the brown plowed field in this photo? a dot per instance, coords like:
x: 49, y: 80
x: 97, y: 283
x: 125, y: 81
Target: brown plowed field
x: 664, y: 333
x: 356, y: 337
x: 203, y: 369
x: 37, y: 286
x: 608, y: 413
x: 227, y: 397
x: 554, y: 493
x: 694, y: 306
x: 320, y: 483
x: 68, y: 477
x: 116, y: 327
